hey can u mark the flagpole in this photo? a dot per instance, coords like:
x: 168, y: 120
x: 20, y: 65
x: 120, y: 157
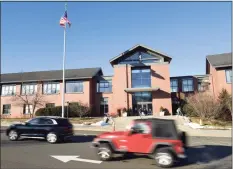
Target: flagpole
x: 63, y: 77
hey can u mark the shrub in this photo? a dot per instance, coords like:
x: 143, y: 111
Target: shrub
x: 74, y: 110
x: 161, y: 109
x: 202, y: 105
x: 80, y: 109
x: 225, y: 100
x: 188, y: 110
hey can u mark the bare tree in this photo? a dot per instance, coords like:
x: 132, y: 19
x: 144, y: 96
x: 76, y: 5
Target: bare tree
x: 203, y: 105
x: 34, y: 99
x: 80, y: 109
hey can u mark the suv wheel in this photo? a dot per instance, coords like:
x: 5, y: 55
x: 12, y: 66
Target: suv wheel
x: 13, y: 135
x: 52, y: 137
x: 164, y: 157
x: 104, y: 152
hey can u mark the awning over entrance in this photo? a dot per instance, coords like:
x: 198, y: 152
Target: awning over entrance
x: 149, y: 89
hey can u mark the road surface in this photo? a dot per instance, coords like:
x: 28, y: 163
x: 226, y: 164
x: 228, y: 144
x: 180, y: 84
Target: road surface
x: 204, y: 153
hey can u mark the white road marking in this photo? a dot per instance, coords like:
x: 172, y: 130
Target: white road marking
x: 66, y: 159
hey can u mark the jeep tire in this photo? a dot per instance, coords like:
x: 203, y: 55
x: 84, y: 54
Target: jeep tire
x: 104, y: 152
x: 164, y: 157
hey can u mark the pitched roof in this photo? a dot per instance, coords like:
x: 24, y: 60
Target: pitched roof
x: 140, y: 46
x: 220, y: 60
x: 50, y: 75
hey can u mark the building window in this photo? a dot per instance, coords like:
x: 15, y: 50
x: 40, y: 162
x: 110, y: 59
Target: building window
x: 50, y: 105
x: 201, y: 88
x: 8, y: 90
x: 28, y: 109
x: 174, y: 85
x: 29, y: 89
x: 187, y: 85
x: 104, y: 105
x: 141, y: 77
x: 104, y: 86
x: 142, y: 97
x: 229, y: 75
x: 51, y: 87
x: 74, y: 87
x: 6, y: 109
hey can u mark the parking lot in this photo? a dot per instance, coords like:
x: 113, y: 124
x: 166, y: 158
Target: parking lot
x: 204, y: 152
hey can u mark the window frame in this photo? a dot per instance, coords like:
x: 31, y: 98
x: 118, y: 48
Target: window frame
x: 57, y: 88
x: 27, y: 107
x: 171, y: 85
x: 104, y: 104
x: 73, y: 81
x: 139, y: 71
x: 228, y: 77
x: 107, y: 86
x: 9, y: 110
x: 187, y: 85
x: 35, y: 86
x: 8, y: 86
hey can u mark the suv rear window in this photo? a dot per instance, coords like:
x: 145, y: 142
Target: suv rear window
x: 63, y: 122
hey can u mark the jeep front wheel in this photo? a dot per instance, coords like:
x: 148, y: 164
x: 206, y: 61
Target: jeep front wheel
x: 164, y: 158
x: 104, y: 152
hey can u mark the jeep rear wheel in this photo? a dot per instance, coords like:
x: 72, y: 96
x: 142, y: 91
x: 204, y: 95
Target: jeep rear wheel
x: 104, y: 152
x: 164, y: 158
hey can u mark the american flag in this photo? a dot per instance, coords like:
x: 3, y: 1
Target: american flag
x: 64, y: 20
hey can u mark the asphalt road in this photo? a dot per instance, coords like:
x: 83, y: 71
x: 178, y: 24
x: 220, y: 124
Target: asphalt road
x: 204, y: 153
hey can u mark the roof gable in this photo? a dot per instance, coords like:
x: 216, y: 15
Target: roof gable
x: 146, y: 54
x: 220, y: 60
x: 84, y: 73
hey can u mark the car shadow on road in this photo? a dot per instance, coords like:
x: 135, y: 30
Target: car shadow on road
x: 196, y: 155
x: 72, y: 139
x: 80, y: 139
x: 31, y: 139
x: 127, y: 157
x: 205, y: 154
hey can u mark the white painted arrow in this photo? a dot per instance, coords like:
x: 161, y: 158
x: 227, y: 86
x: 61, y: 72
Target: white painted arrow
x: 66, y: 159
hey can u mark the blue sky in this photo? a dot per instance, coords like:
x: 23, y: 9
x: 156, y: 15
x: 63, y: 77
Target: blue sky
x: 32, y: 39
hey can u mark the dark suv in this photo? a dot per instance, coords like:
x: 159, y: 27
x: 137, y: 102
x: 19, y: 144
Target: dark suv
x: 157, y: 138
x: 53, y: 129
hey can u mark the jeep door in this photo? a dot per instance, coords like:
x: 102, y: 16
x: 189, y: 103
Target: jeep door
x: 140, y: 140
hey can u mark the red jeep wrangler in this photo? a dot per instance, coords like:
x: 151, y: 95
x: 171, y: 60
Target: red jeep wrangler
x: 157, y: 138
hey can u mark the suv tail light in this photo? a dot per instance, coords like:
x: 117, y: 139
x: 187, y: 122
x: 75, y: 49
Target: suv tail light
x: 67, y: 129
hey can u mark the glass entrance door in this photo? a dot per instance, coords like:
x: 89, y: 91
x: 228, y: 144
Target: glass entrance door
x: 142, y: 101
x: 145, y: 108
